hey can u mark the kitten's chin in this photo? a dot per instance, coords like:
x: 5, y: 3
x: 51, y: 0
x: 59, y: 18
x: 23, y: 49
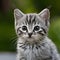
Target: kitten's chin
x: 32, y: 40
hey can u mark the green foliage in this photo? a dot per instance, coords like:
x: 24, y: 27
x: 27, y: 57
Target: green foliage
x: 54, y: 6
x: 25, y: 5
x: 7, y: 31
x: 6, y: 34
x: 54, y: 32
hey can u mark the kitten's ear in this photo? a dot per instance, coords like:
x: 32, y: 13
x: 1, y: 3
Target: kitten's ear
x: 45, y: 14
x: 17, y: 14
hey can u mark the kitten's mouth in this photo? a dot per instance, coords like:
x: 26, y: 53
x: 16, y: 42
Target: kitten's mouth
x: 30, y: 37
x: 32, y: 40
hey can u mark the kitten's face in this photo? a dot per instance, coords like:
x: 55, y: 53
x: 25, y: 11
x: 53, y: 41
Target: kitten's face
x: 31, y: 27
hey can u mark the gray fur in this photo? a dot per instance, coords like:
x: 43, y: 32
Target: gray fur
x: 33, y: 43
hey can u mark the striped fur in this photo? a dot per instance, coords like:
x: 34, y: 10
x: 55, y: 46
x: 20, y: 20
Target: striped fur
x: 30, y: 21
x: 33, y: 43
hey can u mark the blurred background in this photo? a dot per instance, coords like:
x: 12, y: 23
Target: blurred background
x: 7, y: 31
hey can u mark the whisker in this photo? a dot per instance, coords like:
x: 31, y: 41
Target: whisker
x: 14, y: 37
x: 13, y: 41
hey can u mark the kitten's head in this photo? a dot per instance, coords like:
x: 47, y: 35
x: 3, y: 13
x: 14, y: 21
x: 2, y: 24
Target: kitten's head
x: 31, y: 27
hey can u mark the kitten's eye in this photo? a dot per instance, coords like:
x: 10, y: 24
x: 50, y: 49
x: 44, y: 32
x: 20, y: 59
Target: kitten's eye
x: 24, y: 28
x: 36, y: 28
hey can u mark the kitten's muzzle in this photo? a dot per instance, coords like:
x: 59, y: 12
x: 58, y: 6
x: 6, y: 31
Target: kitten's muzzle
x: 30, y: 34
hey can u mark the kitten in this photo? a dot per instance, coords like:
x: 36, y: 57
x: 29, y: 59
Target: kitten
x: 33, y: 43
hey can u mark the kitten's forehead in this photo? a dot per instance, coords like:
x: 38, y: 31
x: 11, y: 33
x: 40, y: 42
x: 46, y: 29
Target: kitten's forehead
x: 28, y: 19
x: 31, y: 18
x: 34, y: 19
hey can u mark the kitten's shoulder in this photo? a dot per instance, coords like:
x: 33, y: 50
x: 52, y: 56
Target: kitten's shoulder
x: 50, y: 42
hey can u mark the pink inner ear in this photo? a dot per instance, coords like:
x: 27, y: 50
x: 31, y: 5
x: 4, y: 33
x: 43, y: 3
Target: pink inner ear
x: 18, y: 14
x: 45, y: 14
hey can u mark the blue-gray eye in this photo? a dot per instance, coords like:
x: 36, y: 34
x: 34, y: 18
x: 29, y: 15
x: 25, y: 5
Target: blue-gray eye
x: 36, y: 28
x: 24, y: 28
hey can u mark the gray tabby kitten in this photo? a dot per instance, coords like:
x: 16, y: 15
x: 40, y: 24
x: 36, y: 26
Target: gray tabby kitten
x: 33, y: 43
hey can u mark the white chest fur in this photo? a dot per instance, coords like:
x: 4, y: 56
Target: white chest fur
x: 38, y: 53
x: 43, y: 51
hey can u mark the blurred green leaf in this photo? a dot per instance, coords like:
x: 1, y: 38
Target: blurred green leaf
x: 54, y: 32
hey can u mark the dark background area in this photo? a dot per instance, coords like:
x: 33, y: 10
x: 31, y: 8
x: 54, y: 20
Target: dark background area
x: 7, y: 32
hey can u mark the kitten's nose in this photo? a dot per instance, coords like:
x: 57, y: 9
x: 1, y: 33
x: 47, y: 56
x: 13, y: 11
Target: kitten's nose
x: 29, y: 35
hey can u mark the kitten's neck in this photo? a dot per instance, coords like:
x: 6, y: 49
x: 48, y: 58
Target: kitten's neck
x: 25, y: 45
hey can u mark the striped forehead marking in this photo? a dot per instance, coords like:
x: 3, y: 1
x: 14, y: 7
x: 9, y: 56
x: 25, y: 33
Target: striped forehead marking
x: 30, y: 19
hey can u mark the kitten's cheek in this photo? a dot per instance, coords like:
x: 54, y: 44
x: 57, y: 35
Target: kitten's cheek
x: 38, y: 36
x: 24, y: 35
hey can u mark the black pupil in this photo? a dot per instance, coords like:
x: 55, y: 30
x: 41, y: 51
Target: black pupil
x: 24, y: 28
x: 36, y: 28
